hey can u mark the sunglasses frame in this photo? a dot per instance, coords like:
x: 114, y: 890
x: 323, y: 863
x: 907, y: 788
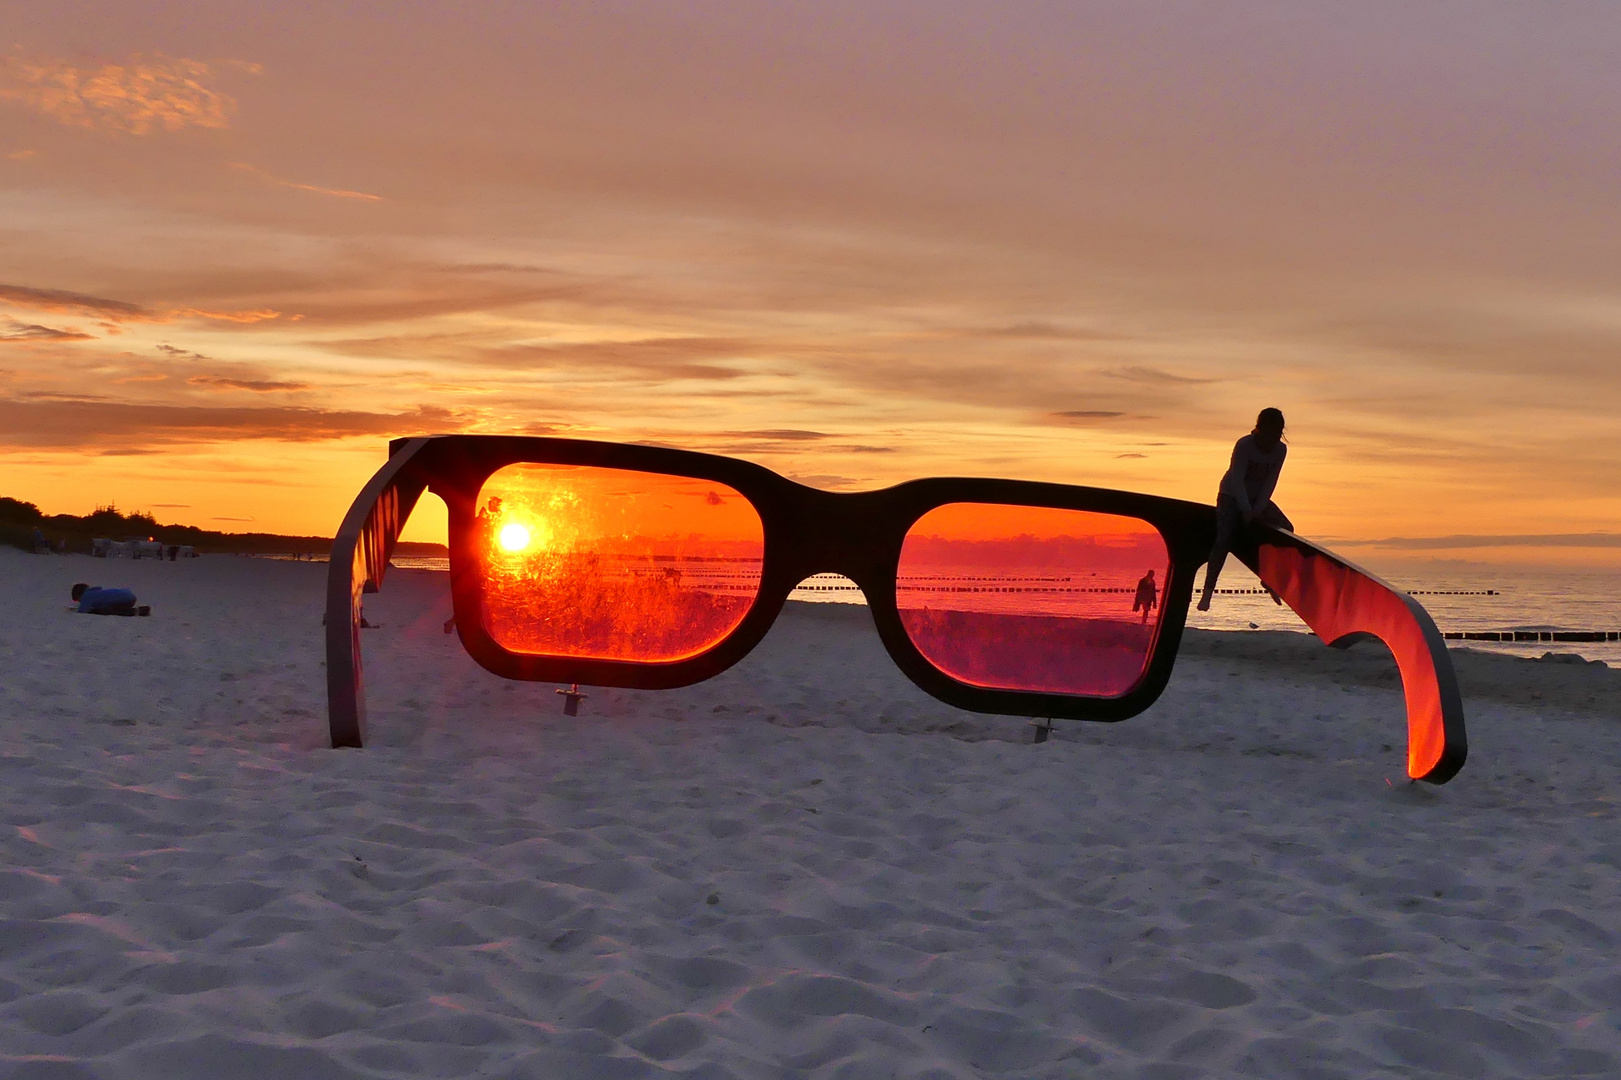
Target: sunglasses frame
x: 859, y: 535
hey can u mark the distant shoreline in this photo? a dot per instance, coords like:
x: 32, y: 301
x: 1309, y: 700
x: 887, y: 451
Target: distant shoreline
x: 19, y: 519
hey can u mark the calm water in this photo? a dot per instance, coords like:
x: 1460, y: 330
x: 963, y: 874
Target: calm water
x: 1562, y: 599
x: 1522, y: 599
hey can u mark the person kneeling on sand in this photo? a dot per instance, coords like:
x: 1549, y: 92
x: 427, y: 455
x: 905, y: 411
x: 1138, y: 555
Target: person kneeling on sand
x: 95, y: 600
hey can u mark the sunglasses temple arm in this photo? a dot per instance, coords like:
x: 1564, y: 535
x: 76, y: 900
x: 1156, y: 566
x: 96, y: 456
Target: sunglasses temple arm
x: 1344, y: 604
x: 359, y: 559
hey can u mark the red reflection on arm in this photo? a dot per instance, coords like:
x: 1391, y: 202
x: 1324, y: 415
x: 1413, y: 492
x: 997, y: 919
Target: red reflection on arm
x: 1342, y: 603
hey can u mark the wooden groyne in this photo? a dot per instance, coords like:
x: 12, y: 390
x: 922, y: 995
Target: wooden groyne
x: 1533, y: 635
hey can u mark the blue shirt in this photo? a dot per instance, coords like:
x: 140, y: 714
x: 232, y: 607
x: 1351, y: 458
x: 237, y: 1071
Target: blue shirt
x: 94, y: 601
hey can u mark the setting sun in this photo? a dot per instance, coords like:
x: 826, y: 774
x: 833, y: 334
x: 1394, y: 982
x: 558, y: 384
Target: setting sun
x: 514, y: 537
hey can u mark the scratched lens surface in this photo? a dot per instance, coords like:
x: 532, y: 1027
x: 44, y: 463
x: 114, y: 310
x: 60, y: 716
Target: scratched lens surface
x: 1032, y: 598
x: 613, y: 564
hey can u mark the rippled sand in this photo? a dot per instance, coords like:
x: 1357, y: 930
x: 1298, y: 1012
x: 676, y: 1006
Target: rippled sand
x: 803, y: 868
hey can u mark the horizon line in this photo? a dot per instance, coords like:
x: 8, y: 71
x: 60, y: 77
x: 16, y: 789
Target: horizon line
x: 1468, y: 540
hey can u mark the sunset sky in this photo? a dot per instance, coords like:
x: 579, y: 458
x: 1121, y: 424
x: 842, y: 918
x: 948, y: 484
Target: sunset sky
x: 242, y: 245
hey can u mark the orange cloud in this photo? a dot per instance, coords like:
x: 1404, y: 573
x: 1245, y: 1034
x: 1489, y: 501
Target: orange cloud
x: 136, y: 98
x: 122, y: 311
x: 661, y: 358
x: 258, y: 315
x: 89, y: 421
x: 62, y: 300
x: 339, y: 193
x: 181, y: 354
x: 12, y: 330
x: 1088, y: 414
x: 257, y: 386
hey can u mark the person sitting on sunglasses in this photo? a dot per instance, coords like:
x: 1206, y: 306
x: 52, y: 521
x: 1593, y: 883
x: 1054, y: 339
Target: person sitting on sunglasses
x: 96, y: 600
x: 1245, y: 494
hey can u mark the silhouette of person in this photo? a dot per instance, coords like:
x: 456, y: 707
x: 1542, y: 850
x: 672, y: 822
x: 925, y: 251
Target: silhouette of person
x: 98, y: 600
x: 485, y: 522
x: 1147, y: 595
x: 1245, y: 495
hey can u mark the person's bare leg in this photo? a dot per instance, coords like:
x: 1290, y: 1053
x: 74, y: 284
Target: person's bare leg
x: 1212, y: 570
x: 1227, y: 527
x: 1211, y: 573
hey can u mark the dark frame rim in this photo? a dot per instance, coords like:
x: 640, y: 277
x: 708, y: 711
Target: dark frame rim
x: 809, y: 531
x: 1339, y: 601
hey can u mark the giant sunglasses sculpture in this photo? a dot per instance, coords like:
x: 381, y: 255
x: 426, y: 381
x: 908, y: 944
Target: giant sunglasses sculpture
x: 608, y: 564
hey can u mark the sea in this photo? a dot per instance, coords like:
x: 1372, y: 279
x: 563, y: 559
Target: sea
x: 1460, y: 598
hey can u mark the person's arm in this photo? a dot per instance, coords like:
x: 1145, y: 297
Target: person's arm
x: 1272, y: 474
x: 1237, y: 469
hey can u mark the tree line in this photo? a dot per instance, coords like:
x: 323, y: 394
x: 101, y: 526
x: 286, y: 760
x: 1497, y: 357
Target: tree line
x: 19, y: 519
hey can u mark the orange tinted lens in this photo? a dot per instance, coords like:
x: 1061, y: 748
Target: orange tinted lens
x: 1029, y: 598
x: 612, y: 564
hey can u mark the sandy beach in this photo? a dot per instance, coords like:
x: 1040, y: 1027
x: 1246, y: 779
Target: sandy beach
x: 805, y: 868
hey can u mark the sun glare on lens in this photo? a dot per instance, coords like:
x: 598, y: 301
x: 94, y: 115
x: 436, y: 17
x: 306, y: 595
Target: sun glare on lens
x: 614, y: 564
x: 514, y: 537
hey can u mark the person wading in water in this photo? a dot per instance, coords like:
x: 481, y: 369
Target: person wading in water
x: 1245, y: 496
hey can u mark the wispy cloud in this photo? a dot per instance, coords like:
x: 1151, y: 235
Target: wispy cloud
x: 337, y: 193
x: 1152, y: 376
x: 783, y: 434
x: 12, y: 330
x: 62, y: 300
x: 1041, y: 331
x: 1088, y: 414
x: 1428, y: 543
x: 58, y: 395
x: 257, y: 386
x: 61, y: 420
x: 146, y: 94
x: 828, y: 481
x: 181, y: 354
x: 662, y: 359
x: 253, y: 316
